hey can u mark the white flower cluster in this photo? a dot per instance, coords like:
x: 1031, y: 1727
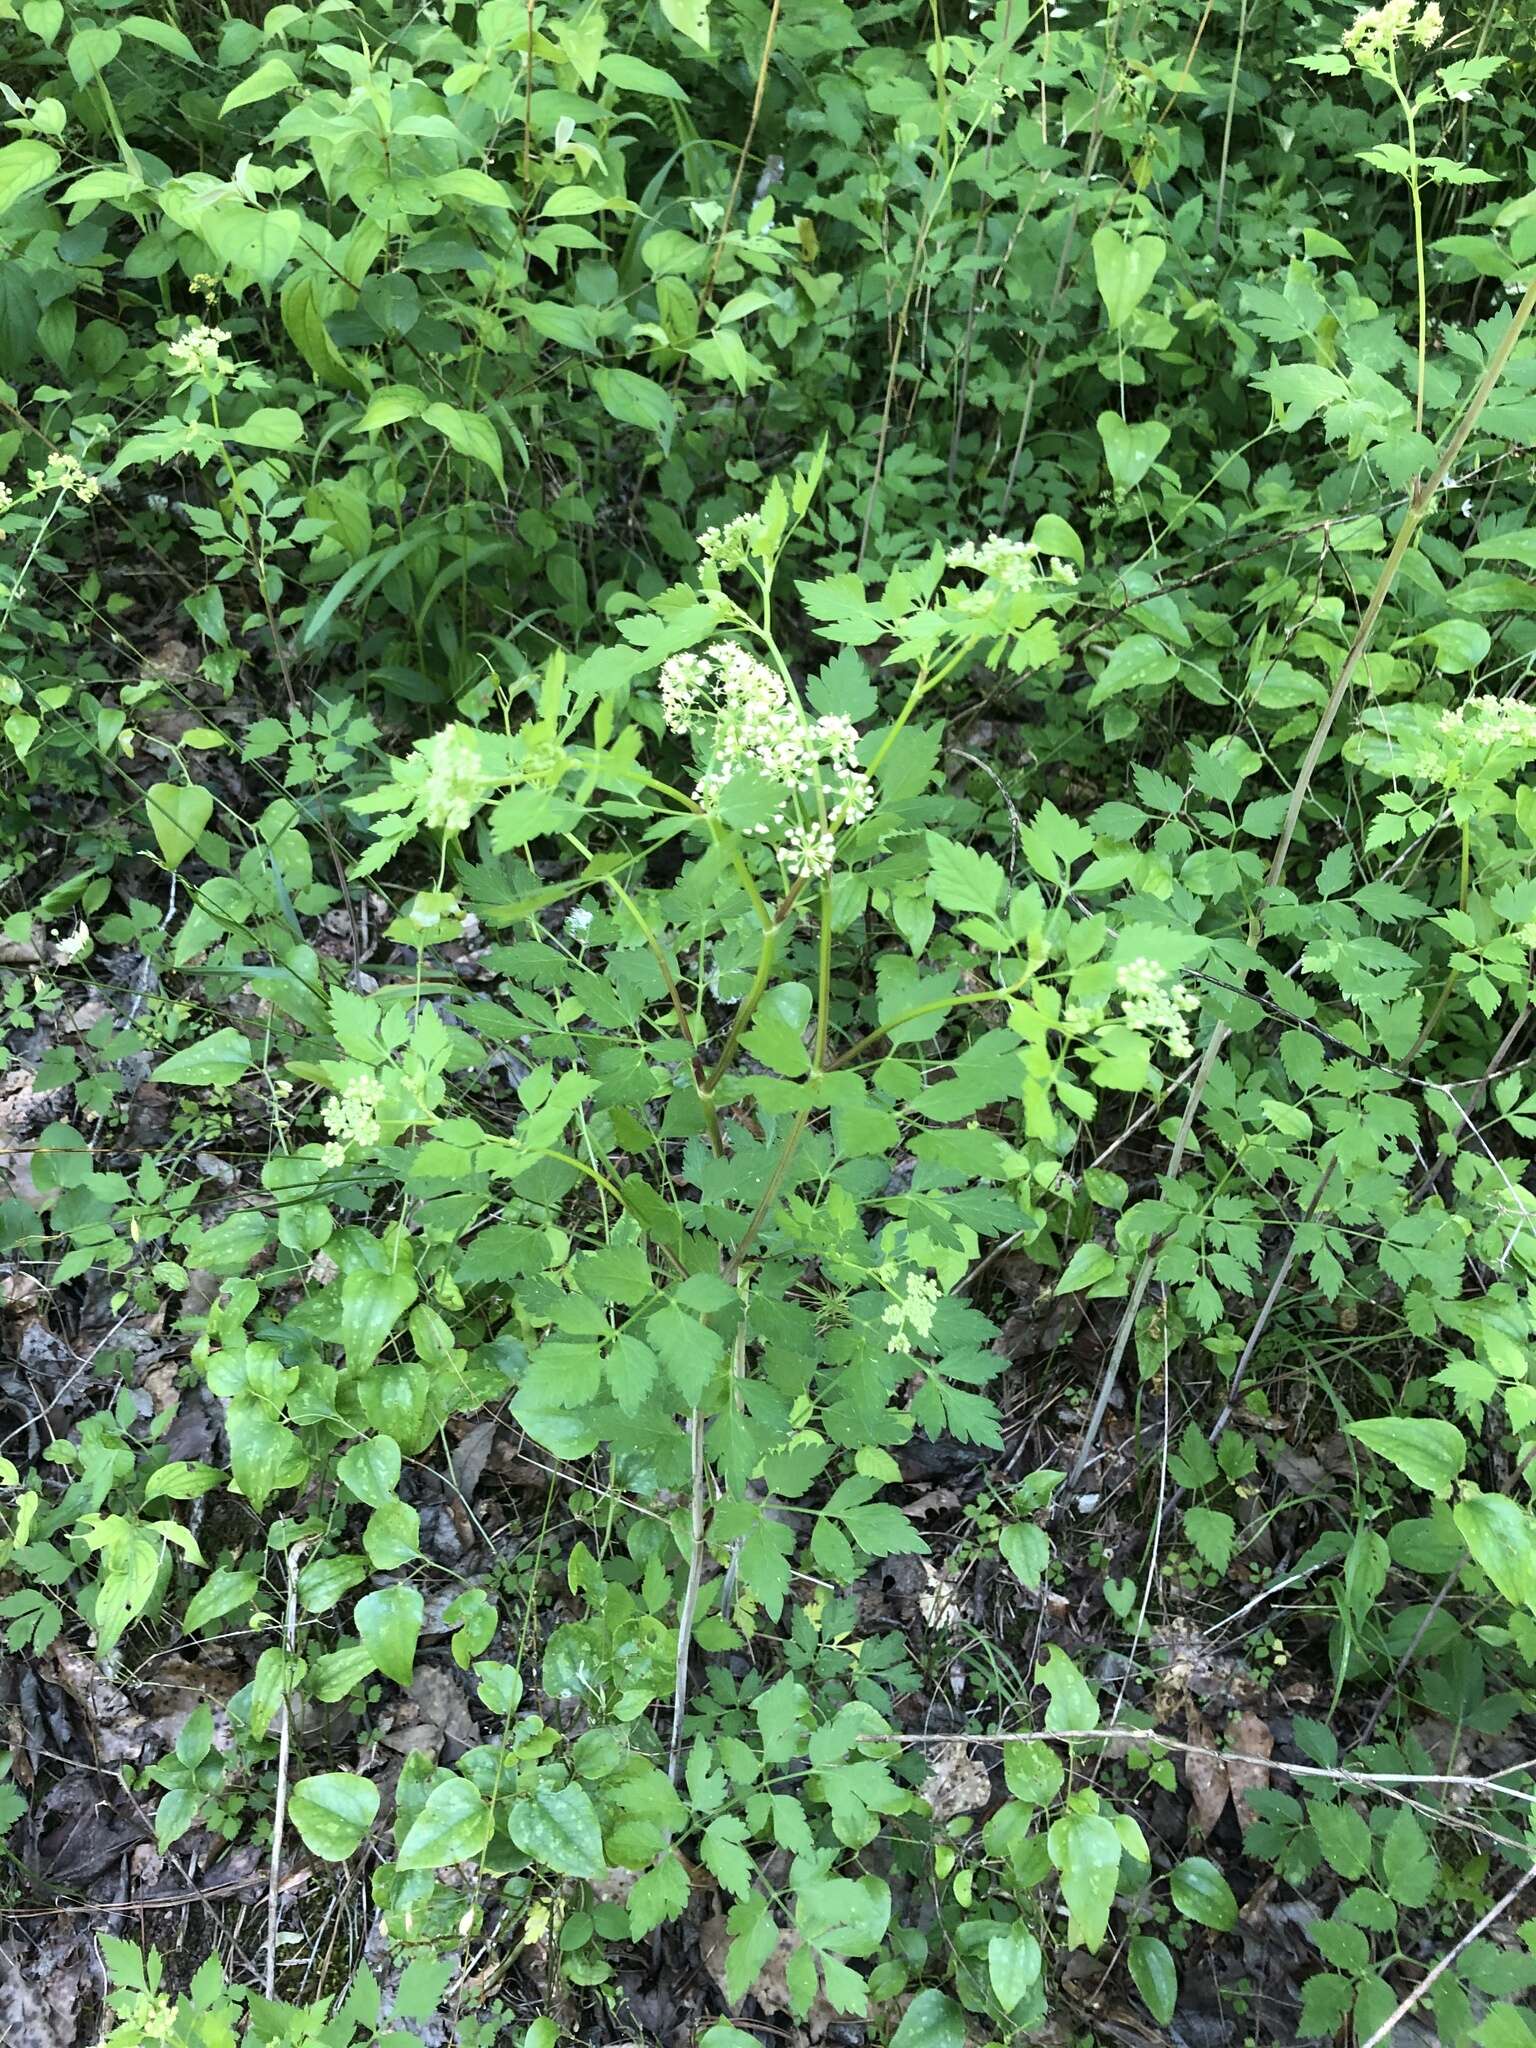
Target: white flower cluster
x: 7, y: 500
x: 1153, y: 1002
x: 452, y: 786
x: 911, y: 1313
x: 1013, y: 567
x: 64, y: 474
x: 726, y: 546
x: 1015, y: 564
x: 352, y: 1117
x: 196, y: 353
x: 750, y: 720
x: 1375, y: 32
x: 1491, y: 722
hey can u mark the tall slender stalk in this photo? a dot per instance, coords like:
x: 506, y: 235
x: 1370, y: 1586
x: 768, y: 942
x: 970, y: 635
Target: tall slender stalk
x: 1414, y: 515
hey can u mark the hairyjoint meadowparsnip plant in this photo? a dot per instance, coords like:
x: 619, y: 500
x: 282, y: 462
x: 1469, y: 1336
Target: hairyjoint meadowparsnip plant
x: 767, y: 1241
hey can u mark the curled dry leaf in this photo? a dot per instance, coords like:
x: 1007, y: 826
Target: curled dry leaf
x: 957, y: 1782
x: 772, y: 1988
x: 1205, y: 1776
x: 1250, y: 1736
x: 936, y: 1602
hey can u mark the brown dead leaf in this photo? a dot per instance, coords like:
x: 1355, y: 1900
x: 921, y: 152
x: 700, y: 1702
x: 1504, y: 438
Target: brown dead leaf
x: 470, y: 1455
x: 201, y: 1679
x: 87, y: 1685
x: 771, y: 1989
x: 1249, y: 1735
x: 44, y: 1991
x: 936, y: 1602
x: 441, y: 1701
x: 20, y: 1291
x: 938, y: 1500
x: 1205, y: 1776
x: 957, y: 1782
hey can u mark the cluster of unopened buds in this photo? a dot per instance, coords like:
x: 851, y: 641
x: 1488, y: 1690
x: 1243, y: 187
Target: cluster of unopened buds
x: 65, y: 475
x: 910, y: 1314
x: 151, y: 2020
x: 352, y: 1118
x: 726, y: 547
x: 1013, y: 566
x: 453, y: 784
x: 196, y: 353
x: 1375, y: 32
x: 1491, y: 722
x: 1153, y: 1002
x: 746, y: 716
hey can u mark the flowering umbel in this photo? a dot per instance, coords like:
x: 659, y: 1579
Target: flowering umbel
x: 1491, y: 722
x: 453, y: 784
x: 64, y: 474
x: 1152, y: 1001
x: 910, y: 1314
x: 746, y: 719
x: 352, y: 1118
x: 196, y: 352
x: 1374, y: 33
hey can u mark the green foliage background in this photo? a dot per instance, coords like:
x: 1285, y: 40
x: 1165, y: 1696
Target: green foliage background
x: 1115, y: 426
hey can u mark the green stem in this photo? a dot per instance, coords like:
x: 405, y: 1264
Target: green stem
x: 982, y: 995
x: 1418, y: 243
x: 744, y: 1010
x: 769, y: 1196
x: 823, y: 977
x: 612, y: 1187
x: 754, y: 995
x: 1414, y: 514
x: 674, y: 994
x: 926, y: 681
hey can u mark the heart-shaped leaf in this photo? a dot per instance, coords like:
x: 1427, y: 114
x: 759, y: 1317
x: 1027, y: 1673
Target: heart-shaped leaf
x: 453, y: 1826
x: 178, y: 817
x: 1130, y: 451
x: 389, y: 1625
x: 333, y: 1812
x: 371, y: 1304
x: 1124, y: 270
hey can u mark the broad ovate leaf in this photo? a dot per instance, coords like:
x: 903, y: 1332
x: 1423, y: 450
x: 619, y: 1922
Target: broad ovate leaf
x: 333, y: 1811
x: 1429, y: 1453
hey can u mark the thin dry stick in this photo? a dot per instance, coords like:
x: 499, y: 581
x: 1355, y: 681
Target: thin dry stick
x: 284, y: 1738
x: 1144, y: 1738
x: 1422, y: 1991
x: 741, y: 160
x: 1226, y: 131
x: 1413, y: 517
x: 1239, y: 1371
x: 690, y: 1590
